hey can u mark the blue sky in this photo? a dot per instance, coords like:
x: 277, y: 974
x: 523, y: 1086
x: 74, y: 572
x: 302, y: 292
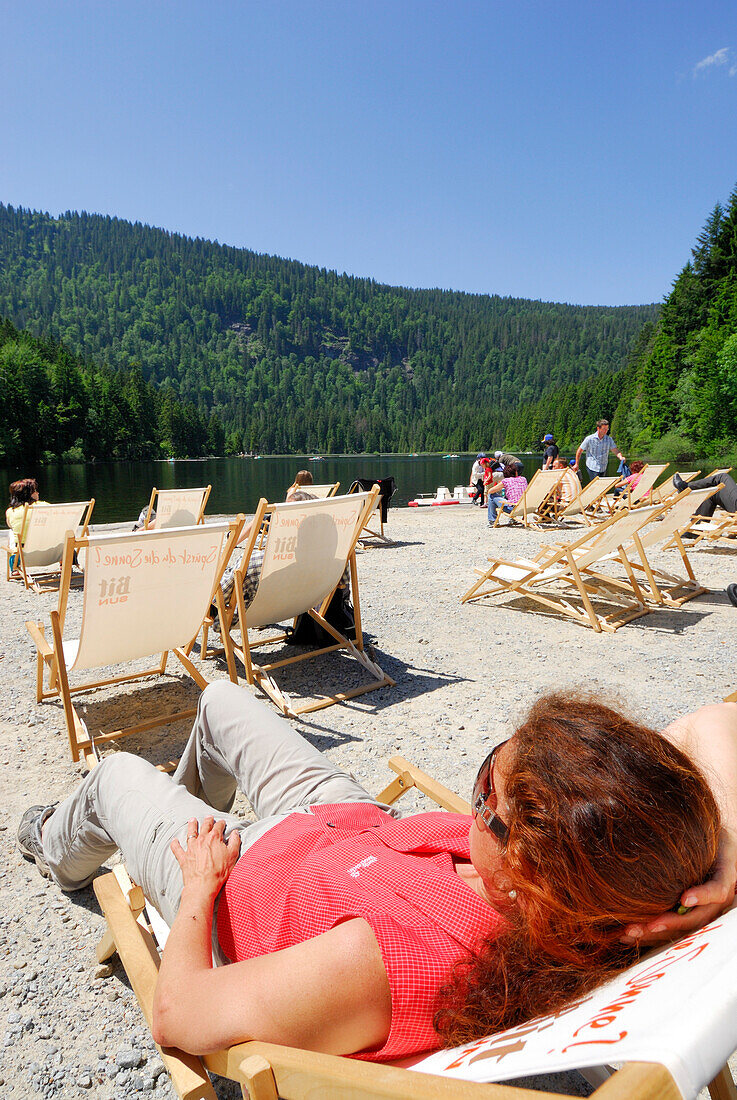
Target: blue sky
x: 555, y: 149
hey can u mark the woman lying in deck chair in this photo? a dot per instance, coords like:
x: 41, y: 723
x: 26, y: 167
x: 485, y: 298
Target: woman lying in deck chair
x: 352, y: 931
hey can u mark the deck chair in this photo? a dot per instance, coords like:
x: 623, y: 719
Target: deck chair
x: 567, y: 571
x: 538, y: 502
x: 145, y: 593
x: 638, y: 1019
x: 373, y: 527
x: 176, y: 507
x: 585, y: 508
x: 322, y: 492
x: 45, y: 527
x: 663, y: 587
x: 634, y: 498
x: 307, y: 548
x: 667, y: 491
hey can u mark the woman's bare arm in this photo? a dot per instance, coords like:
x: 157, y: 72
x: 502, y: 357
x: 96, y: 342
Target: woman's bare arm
x: 330, y: 993
x: 709, y: 738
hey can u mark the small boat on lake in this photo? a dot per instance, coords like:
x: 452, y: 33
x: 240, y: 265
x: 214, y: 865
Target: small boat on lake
x: 442, y: 498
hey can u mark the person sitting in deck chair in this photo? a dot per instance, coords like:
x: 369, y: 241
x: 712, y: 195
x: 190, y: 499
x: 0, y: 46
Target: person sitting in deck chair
x: 301, y: 484
x: 588, y: 831
x: 252, y: 575
x: 513, y: 485
x: 22, y: 492
x: 725, y: 498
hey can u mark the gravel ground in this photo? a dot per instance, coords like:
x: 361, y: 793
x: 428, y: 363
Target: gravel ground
x: 464, y: 675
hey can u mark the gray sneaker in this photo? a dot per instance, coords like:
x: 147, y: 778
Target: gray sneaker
x: 29, y: 840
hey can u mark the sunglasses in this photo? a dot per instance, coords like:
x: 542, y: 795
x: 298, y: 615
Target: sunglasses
x: 483, y: 801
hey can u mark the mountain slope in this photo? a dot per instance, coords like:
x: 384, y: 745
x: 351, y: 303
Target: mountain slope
x: 291, y: 357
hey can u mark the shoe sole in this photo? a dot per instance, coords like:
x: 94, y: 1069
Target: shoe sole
x: 33, y: 858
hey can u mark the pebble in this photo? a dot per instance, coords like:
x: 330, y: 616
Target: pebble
x: 128, y: 1059
x: 104, y: 970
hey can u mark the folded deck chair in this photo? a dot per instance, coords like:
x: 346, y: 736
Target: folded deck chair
x: 307, y: 548
x: 670, y: 1020
x: 46, y: 527
x: 176, y: 507
x: 322, y: 492
x: 634, y: 498
x: 562, y: 573
x: 662, y: 586
x: 373, y: 527
x: 538, y: 502
x: 711, y: 529
x: 585, y: 507
x: 145, y: 593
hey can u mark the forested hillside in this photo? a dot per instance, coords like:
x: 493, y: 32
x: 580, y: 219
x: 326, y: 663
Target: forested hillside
x: 54, y: 405
x: 677, y: 396
x: 289, y: 357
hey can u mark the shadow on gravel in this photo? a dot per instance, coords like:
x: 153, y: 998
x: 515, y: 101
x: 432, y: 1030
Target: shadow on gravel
x: 394, y: 544
x: 663, y: 620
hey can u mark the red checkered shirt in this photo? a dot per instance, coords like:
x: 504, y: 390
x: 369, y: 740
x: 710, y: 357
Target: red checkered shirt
x: 314, y: 870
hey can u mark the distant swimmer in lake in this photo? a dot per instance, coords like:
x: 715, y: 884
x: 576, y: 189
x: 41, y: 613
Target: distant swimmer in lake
x: 588, y: 831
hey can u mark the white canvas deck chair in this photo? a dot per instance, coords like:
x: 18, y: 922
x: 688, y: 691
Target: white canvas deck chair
x: 670, y: 1020
x: 145, y: 593
x: 660, y: 585
x: 46, y: 527
x: 307, y: 548
x: 563, y: 573
x: 634, y: 498
x: 538, y: 502
x: 585, y: 507
x: 176, y: 507
x: 322, y: 492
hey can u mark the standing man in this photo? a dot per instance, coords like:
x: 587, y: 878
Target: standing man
x: 597, y: 447
x: 550, y: 453
x: 477, y: 480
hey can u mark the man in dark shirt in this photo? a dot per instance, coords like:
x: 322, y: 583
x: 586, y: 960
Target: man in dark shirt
x: 551, y: 452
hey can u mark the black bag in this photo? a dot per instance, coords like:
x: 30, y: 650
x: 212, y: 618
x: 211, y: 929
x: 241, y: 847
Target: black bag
x: 339, y: 614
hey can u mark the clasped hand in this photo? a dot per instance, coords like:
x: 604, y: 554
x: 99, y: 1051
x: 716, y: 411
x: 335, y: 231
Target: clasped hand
x: 705, y: 902
x: 208, y: 859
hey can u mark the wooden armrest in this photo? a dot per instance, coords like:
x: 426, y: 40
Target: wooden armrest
x: 36, y: 632
x: 140, y: 959
x: 408, y: 775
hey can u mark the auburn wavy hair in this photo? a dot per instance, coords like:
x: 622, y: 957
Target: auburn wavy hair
x: 609, y: 823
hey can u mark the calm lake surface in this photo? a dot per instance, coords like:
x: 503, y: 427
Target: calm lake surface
x: 121, y: 489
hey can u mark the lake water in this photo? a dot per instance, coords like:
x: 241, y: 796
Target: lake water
x: 121, y: 489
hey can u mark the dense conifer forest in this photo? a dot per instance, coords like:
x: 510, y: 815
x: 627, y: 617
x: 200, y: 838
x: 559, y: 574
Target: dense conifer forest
x: 56, y: 407
x: 156, y: 343
x: 677, y: 396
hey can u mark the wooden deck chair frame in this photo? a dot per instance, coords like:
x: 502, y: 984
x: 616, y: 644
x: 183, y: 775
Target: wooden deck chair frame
x: 584, y: 508
x: 266, y: 1071
x: 667, y: 491
x: 44, y: 578
x: 199, y: 516
x: 538, y: 500
x: 82, y: 743
x: 322, y: 492
x: 664, y: 587
x: 368, y: 533
x: 261, y: 674
x: 572, y: 565
x: 634, y: 498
